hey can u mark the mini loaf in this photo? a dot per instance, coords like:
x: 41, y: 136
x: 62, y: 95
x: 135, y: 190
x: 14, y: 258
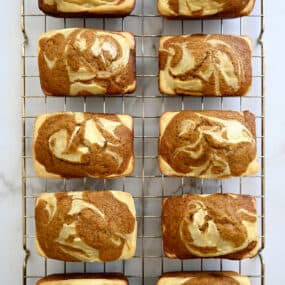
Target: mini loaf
x: 87, y: 8
x: 207, y: 226
x: 205, y: 65
x: 82, y: 62
x: 208, y: 144
x: 73, y: 145
x: 203, y: 278
x: 84, y: 279
x: 86, y: 226
x: 205, y: 9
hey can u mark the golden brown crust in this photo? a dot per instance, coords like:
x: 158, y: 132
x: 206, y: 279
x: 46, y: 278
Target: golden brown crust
x: 216, y: 225
x: 203, y: 278
x: 83, y: 62
x: 118, y: 8
x: 80, y: 276
x: 72, y: 145
x: 86, y: 226
x: 205, y: 65
x: 207, y: 144
x: 209, y: 9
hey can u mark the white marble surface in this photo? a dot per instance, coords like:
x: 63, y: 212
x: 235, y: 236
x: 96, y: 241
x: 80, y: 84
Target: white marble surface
x: 10, y: 174
x: 10, y: 163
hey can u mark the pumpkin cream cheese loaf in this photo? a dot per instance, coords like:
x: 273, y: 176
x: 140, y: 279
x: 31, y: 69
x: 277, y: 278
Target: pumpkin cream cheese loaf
x: 203, y: 278
x: 82, y: 62
x: 86, y: 226
x: 205, y: 65
x: 84, y: 279
x: 208, y: 144
x: 79, y: 8
x: 73, y: 145
x: 205, y: 8
x: 215, y: 225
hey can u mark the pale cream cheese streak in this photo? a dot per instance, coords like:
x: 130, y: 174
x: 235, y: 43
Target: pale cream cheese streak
x: 86, y: 226
x: 205, y: 8
x: 84, y: 279
x: 203, y: 278
x: 208, y: 144
x: 78, y: 8
x: 70, y: 145
x: 205, y: 65
x: 82, y: 62
x: 215, y: 225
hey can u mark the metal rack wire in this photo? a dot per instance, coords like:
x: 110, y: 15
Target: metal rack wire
x: 147, y: 185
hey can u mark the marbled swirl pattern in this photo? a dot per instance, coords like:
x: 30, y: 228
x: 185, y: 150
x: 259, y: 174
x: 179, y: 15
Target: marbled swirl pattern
x: 87, y: 7
x: 83, y: 145
x: 203, y: 278
x: 86, y: 62
x: 84, y: 279
x: 208, y: 144
x: 216, y: 225
x: 205, y: 65
x: 86, y: 226
x: 205, y: 8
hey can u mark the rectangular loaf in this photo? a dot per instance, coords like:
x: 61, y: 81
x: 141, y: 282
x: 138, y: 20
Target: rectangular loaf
x: 205, y: 65
x: 86, y: 226
x: 208, y: 144
x: 209, y: 226
x: 82, y: 62
x: 211, y: 278
x: 84, y: 279
x: 74, y: 145
x: 193, y: 9
x: 87, y: 8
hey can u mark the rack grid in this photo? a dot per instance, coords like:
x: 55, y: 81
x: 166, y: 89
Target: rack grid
x: 147, y: 185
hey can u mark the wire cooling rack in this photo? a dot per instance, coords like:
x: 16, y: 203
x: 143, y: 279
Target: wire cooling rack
x: 147, y: 185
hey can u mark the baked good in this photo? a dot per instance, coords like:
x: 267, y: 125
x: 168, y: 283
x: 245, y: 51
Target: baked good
x: 207, y: 144
x: 86, y: 279
x: 205, y: 65
x: 205, y: 9
x: 87, y: 8
x: 86, y: 226
x: 215, y: 225
x: 82, y: 62
x: 203, y: 278
x: 73, y: 145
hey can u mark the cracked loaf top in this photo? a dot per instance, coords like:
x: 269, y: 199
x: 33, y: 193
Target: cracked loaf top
x: 86, y: 226
x: 208, y: 144
x: 205, y: 65
x: 216, y: 225
x: 84, y: 279
x: 82, y: 62
x: 203, y: 278
x: 79, y: 8
x: 205, y: 8
x: 71, y: 145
